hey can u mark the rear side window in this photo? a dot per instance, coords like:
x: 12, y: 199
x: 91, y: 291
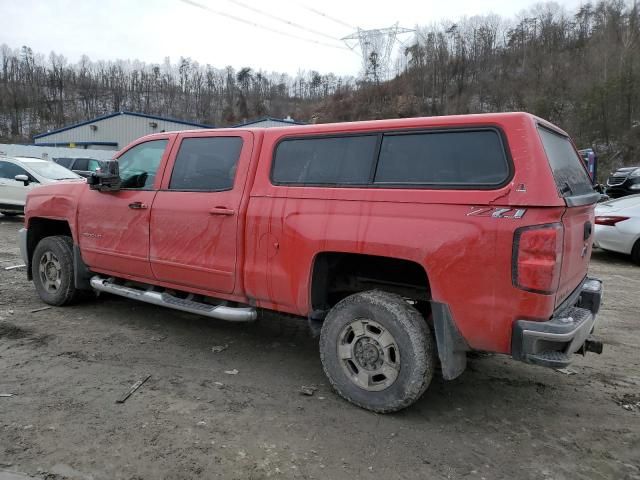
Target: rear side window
x: 325, y: 161
x: 65, y: 162
x: 81, y: 164
x: 462, y: 158
x: 94, y: 165
x: 567, y: 166
x: 206, y: 163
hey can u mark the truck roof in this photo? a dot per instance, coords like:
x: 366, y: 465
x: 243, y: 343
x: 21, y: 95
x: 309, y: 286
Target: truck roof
x: 445, y: 120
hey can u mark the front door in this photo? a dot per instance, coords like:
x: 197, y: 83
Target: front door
x: 113, y: 227
x: 195, y: 215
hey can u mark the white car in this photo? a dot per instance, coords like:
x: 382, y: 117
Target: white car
x: 618, y: 226
x: 18, y: 175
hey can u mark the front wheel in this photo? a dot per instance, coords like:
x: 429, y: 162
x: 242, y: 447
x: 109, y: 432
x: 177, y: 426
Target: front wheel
x: 52, y: 270
x: 377, y: 351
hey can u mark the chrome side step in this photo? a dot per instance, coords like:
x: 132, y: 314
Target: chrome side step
x: 221, y: 312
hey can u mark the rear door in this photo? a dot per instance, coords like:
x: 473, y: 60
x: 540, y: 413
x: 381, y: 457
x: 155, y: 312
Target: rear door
x: 196, y: 214
x: 574, y: 185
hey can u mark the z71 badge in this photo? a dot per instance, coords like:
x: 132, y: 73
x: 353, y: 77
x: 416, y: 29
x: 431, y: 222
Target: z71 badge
x: 497, y: 212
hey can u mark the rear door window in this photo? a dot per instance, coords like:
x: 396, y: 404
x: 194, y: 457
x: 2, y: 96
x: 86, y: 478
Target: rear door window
x: 454, y: 158
x: 93, y: 165
x: 206, y: 164
x: 81, y: 164
x: 325, y: 161
x: 65, y: 162
x: 568, y: 171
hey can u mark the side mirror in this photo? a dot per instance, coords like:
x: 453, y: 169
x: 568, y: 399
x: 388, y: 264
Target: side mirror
x: 106, y: 179
x: 22, y: 178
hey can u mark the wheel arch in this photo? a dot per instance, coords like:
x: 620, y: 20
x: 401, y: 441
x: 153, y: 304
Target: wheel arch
x: 335, y: 275
x: 41, y: 227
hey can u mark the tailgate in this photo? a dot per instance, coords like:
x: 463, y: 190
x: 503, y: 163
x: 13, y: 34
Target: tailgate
x: 578, y: 238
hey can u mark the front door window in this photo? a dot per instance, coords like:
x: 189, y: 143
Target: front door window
x: 139, y: 165
x: 10, y: 170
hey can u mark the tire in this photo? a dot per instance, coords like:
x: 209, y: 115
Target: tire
x: 52, y: 270
x: 356, y: 336
x: 635, y: 253
x: 10, y: 214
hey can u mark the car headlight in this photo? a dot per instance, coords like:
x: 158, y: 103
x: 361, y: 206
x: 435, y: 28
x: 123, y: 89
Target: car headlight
x: 635, y: 173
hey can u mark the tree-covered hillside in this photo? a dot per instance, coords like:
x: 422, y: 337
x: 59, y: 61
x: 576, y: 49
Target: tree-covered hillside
x: 580, y: 70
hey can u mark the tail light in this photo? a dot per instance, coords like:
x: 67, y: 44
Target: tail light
x: 609, y: 220
x: 537, y: 256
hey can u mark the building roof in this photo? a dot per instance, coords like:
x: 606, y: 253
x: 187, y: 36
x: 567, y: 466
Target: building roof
x: 114, y: 114
x: 65, y: 143
x: 267, y: 119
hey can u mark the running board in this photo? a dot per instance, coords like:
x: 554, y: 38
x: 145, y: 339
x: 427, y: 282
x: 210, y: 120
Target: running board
x: 221, y: 312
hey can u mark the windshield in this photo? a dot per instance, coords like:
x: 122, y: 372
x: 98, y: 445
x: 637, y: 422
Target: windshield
x: 51, y: 170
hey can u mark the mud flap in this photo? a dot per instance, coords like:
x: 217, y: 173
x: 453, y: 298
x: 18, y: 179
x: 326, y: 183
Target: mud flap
x: 81, y: 273
x: 316, y: 319
x: 452, y: 347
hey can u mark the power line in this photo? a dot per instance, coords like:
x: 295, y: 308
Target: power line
x: 257, y: 25
x: 328, y: 17
x: 282, y: 20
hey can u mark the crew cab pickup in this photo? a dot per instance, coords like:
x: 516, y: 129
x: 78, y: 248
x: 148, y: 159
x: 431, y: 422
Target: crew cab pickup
x: 405, y: 243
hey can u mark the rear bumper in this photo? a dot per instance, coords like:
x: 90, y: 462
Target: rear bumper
x: 552, y: 343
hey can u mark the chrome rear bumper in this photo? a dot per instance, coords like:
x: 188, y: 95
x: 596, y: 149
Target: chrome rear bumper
x: 551, y: 343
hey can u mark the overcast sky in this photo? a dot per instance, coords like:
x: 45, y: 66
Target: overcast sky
x: 150, y: 30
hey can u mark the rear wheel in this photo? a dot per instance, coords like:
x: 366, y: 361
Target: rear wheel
x: 635, y: 253
x: 377, y: 351
x: 52, y: 270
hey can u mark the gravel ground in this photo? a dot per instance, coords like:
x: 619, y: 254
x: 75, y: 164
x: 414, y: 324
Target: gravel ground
x: 501, y: 419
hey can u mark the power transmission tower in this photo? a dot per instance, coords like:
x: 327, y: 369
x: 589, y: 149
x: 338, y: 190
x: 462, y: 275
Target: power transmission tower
x: 376, y: 47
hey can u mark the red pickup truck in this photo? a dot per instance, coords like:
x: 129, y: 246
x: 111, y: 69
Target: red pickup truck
x: 405, y: 243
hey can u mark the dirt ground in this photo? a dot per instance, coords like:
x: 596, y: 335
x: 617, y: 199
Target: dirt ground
x: 501, y: 419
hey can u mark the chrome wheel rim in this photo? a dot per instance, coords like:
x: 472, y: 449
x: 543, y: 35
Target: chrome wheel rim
x: 369, y: 355
x: 50, y: 272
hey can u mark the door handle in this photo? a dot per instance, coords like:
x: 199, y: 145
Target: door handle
x: 221, y: 211
x: 138, y: 205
